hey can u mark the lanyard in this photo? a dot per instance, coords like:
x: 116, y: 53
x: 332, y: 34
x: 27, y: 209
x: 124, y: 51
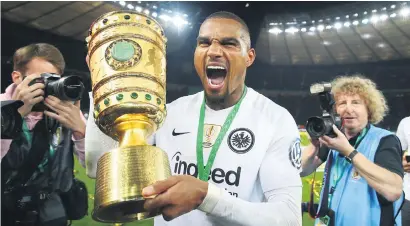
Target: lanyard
x: 203, y: 171
x: 29, y: 139
x: 336, y: 178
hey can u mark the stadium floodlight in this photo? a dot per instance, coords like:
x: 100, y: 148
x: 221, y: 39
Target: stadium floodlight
x: 393, y: 6
x: 329, y: 27
x: 320, y: 27
x: 303, y: 29
x: 404, y: 12
x: 275, y: 30
x: 337, y: 18
x: 383, y: 17
x: 355, y: 23
x: 164, y: 17
x: 374, y: 19
x: 178, y: 21
x: 122, y: 3
x: 356, y: 15
x: 138, y: 9
x: 146, y: 11
x: 312, y: 29
x: 365, y: 13
x: 374, y: 11
x: 129, y: 6
x: 365, y: 21
x: 292, y: 30
x: 154, y: 14
x: 347, y: 16
x: 393, y: 15
x: 384, y: 8
x: 154, y: 7
x: 304, y: 22
x: 347, y: 24
x: 338, y: 25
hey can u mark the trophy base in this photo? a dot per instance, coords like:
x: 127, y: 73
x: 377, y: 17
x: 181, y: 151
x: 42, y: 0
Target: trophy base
x: 121, y: 176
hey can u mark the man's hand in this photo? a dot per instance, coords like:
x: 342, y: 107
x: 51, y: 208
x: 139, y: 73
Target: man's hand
x: 30, y: 95
x: 67, y: 114
x: 175, y: 196
x: 339, y: 143
x: 406, y: 165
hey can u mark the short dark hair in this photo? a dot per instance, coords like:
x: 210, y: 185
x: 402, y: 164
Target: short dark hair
x: 48, y: 52
x: 232, y: 16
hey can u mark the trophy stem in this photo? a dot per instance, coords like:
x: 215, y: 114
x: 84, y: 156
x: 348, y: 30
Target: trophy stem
x: 122, y: 173
x: 133, y: 129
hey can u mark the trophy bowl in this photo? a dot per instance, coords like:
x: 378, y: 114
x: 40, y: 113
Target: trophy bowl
x: 127, y: 62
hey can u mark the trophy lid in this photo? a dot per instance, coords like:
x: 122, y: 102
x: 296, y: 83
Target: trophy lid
x: 123, y: 16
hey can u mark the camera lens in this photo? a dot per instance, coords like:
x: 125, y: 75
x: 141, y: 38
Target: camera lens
x: 318, y: 127
x: 315, y: 126
x: 73, y: 87
x: 67, y: 88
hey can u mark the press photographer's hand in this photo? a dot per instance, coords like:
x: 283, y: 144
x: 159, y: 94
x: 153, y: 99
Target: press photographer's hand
x: 68, y: 114
x: 30, y: 95
x: 339, y: 143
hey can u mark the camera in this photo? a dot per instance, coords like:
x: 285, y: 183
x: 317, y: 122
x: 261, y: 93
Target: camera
x: 11, y: 120
x: 318, y: 126
x: 68, y: 88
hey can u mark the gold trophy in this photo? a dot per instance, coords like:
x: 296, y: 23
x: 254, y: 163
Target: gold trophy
x: 127, y: 62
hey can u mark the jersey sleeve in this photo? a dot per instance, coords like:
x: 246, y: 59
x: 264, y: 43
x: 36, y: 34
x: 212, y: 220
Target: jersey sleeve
x: 401, y: 133
x: 282, y: 164
x: 96, y: 143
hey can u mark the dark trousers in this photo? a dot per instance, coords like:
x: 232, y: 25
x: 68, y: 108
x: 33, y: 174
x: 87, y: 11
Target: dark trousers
x: 405, y: 213
x: 49, y: 213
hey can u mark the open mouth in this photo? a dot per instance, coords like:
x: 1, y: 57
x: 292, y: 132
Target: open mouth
x: 216, y: 76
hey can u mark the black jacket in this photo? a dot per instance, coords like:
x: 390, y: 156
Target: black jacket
x: 20, y: 167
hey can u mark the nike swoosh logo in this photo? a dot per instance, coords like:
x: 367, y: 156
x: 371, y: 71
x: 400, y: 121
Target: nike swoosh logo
x: 177, y: 134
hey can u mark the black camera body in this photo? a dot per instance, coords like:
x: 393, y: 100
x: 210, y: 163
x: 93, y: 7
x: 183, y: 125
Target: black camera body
x: 318, y: 126
x: 68, y: 88
x: 11, y: 120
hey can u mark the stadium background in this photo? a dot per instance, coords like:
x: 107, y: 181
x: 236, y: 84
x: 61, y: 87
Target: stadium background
x: 297, y: 44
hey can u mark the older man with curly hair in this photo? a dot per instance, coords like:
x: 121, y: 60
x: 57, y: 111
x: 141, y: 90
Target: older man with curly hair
x: 364, y: 176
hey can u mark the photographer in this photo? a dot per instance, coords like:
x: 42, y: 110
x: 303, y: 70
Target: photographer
x: 37, y: 166
x: 403, y: 133
x: 363, y: 175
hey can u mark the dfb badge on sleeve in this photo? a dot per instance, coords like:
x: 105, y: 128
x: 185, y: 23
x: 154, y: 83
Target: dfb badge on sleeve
x: 295, y: 154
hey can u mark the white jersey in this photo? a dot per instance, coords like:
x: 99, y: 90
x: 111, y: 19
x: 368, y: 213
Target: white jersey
x: 403, y: 133
x: 259, y: 153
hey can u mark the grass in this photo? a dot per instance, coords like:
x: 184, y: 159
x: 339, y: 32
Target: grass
x: 87, y: 221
